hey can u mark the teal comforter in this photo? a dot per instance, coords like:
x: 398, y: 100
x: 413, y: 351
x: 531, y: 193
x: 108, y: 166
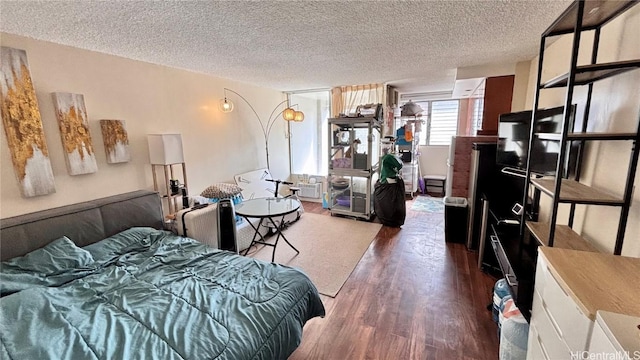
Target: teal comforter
x: 148, y: 294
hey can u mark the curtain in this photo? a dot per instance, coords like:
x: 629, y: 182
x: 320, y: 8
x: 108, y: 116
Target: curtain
x: 345, y: 99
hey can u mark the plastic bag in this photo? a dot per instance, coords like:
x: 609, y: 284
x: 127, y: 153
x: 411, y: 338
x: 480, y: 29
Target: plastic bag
x: 389, y: 203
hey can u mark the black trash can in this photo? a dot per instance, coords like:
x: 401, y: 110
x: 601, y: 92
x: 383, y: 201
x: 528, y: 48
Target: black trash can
x: 455, y: 219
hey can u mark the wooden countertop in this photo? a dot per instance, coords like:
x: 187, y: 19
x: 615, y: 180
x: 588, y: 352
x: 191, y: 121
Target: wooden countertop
x: 597, y: 281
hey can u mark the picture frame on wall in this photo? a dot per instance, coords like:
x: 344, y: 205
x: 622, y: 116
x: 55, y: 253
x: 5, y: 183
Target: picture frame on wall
x: 74, y: 132
x: 116, y: 141
x: 22, y: 125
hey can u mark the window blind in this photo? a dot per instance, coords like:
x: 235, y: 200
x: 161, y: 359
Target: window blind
x: 444, y: 122
x: 476, y: 116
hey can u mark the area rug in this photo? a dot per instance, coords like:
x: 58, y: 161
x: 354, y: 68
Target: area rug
x: 330, y: 248
x: 428, y: 204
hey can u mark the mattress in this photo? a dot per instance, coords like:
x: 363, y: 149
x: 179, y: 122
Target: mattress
x: 147, y: 293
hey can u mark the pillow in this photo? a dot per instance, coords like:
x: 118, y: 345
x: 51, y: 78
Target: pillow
x: 58, y: 256
x: 221, y: 191
x: 55, y: 264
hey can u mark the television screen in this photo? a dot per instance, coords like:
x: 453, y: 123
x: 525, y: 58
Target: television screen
x: 513, y: 140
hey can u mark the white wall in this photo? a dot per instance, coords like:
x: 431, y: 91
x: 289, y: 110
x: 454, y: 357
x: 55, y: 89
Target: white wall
x: 151, y: 99
x: 520, y: 86
x: 615, y: 107
x: 484, y: 71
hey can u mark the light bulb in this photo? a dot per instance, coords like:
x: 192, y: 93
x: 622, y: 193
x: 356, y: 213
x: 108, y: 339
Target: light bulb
x: 225, y: 105
x: 299, y: 116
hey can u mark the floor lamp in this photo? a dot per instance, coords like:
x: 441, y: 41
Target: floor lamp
x: 165, y: 150
x: 288, y: 114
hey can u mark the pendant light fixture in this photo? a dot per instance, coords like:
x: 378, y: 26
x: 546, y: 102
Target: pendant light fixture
x: 289, y: 114
x: 225, y: 105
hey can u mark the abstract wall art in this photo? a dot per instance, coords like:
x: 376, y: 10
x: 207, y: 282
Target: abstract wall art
x: 23, y: 125
x: 74, y: 131
x: 116, y: 141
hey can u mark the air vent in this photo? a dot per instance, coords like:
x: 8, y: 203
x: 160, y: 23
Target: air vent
x: 311, y: 191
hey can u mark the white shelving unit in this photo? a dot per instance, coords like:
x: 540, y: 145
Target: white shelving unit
x: 354, y: 154
x: 409, y: 151
x: 164, y: 189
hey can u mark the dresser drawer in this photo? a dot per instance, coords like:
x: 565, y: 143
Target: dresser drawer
x: 542, y: 273
x: 534, y: 347
x: 551, y: 338
x: 563, y: 313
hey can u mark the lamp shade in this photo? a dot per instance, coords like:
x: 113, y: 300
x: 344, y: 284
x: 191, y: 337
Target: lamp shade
x: 165, y: 149
x: 299, y: 116
x: 289, y: 114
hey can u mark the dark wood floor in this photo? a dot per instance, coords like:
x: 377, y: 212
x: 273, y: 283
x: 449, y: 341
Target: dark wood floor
x: 412, y: 296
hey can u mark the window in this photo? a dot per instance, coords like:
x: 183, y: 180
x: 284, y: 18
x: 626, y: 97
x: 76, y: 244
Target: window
x: 308, y: 140
x: 476, y: 115
x: 443, y: 124
x: 347, y: 98
x: 308, y: 146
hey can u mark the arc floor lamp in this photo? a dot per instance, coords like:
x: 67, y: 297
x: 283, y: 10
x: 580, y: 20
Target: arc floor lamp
x: 288, y: 113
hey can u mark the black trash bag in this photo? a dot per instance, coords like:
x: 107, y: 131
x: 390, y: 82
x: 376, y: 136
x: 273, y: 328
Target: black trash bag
x: 389, y: 203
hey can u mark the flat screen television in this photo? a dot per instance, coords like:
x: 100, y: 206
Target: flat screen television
x: 513, y: 141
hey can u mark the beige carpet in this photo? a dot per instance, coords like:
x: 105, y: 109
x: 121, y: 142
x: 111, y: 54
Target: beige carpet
x: 330, y: 248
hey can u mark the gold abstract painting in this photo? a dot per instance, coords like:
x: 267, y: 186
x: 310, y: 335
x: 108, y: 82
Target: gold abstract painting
x: 74, y: 131
x: 116, y: 141
x: 23, y: 125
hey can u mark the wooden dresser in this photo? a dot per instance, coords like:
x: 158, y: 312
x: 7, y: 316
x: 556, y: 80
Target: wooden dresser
x: 571, y: 286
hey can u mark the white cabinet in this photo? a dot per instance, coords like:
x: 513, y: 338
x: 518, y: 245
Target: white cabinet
x: 600, y: 341
x: 535, y: 349
x: 572, y: 289
x: 560, y: 326
x: 615, y: 335
x: 549, y: 334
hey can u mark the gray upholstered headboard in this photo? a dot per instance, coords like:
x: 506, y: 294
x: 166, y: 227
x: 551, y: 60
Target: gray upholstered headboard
x: 84, y: 223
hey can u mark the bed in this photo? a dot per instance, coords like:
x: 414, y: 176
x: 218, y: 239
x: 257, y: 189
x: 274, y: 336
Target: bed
x: 101, y: 280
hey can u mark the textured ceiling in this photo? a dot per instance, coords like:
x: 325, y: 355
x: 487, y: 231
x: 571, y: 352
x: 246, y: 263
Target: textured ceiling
x: 295, y: 45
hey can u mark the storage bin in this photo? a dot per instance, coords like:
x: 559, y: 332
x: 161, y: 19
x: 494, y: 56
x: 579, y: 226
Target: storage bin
x: 455, y: 219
